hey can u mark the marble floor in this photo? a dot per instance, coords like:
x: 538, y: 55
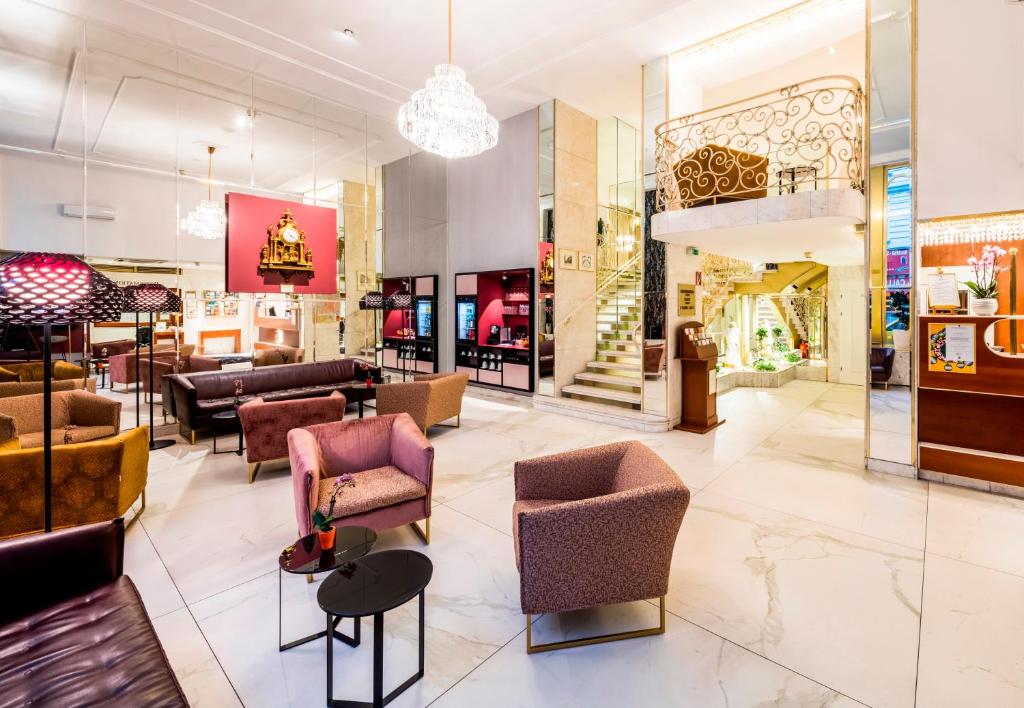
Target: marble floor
x: 798, y: 579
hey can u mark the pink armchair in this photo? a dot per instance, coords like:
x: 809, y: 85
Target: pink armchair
x: 389, y: 457
x: 595, y: 527
x: 265, y: 424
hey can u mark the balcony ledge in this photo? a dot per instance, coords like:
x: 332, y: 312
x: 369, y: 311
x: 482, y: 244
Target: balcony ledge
x: 775, y: 229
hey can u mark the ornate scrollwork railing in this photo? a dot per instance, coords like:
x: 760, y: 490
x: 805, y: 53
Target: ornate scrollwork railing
x: 805, y: 136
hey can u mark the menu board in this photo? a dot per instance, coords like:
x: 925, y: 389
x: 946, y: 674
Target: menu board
x: 952, y: 348
x: 942, y: 291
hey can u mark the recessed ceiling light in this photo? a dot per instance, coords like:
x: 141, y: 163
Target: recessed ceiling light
x: 832, y: 50
x: 348, y: 32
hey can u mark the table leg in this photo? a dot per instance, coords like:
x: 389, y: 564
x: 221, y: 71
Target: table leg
x: 378, y: 660
x: 214, y: 438
x: 423, y: 602
x: 360, y: 409
x: 330, y: 663
x: 240, y: 434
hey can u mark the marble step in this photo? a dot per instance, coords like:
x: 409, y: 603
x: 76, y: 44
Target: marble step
x: 615, y: 366
x: 630, y: 357
x: 618, y: 342
x: 601, y: 393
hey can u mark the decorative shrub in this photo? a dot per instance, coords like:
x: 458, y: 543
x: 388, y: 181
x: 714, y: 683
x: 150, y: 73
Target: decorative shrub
x: 764, y: 365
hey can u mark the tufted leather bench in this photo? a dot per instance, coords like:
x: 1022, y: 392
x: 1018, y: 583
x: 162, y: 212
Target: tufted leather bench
x: 73, y: 629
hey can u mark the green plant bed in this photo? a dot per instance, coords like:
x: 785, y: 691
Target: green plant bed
x: 764, y: 365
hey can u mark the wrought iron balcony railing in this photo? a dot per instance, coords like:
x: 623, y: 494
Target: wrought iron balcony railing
x: 805, y: 136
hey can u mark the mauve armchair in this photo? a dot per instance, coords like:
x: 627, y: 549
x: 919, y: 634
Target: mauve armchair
x: 595, y: 527
x: 430, y: 398
x: 392, y: 463
x: 265, y: 424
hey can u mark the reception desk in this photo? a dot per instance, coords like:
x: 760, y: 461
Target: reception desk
x: 971, y: 424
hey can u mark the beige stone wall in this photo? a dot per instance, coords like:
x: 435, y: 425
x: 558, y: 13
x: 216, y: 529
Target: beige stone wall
x: 359, y: 208
x: 679, y: 268
x: 575, y: 229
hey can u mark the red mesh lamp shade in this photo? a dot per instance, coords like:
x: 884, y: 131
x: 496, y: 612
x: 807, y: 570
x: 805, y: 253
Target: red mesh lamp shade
x: 150, y: 297
x: 56, y: 288
x: 373, y: 300
x: 401, y: 300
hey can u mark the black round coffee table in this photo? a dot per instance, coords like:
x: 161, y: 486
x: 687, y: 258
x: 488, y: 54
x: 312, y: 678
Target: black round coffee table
x: 371, y: 586
x: 305, y: 557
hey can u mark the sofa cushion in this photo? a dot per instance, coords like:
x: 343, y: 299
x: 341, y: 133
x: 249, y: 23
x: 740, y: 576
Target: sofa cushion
x: 95, y: 649
x: 69, y: 434
x: 374, y: 489
x: 527, y: 505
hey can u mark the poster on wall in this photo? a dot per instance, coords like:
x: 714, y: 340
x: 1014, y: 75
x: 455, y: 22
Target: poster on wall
x: 276, y: 246
x: 952, y: 348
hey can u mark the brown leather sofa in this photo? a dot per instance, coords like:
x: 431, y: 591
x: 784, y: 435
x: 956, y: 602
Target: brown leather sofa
x: 882, y: 360
x: 198, y: 396
x: 714, y: 174
x: 82, y: 638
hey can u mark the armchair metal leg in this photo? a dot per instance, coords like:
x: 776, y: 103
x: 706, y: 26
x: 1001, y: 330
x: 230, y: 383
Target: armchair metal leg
x: 309, y: 578
x: 423, y: 534
x: 532, y: 648
x: 458, y: 423
x: 254, y: 468
x: 138, y: 513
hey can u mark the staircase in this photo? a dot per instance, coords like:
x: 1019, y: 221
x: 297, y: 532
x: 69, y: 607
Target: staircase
x: 719, y: 277
x: 796, y: 321
x: 615, y: 376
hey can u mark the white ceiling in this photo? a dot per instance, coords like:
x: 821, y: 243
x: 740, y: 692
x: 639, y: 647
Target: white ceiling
x: 588, y: 53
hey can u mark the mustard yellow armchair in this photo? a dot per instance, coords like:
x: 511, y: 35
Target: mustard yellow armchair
x: 92, y: 481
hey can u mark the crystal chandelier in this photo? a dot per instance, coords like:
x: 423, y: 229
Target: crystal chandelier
x: 446, y: 117
x: 207, y: 221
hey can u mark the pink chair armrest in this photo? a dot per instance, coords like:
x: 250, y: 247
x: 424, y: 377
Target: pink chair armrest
x: 307, y: 469
x: 411, y: 452
x: 577, y: 474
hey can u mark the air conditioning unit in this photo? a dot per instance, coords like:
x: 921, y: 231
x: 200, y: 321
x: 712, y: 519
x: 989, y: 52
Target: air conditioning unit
x: 77, y: 211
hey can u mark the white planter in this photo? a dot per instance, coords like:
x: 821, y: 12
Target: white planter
x: 901, y: 340
x: 985, y: 306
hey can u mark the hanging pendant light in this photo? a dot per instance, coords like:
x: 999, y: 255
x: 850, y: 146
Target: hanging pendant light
x: 446, y: 117
x: 207, y: 221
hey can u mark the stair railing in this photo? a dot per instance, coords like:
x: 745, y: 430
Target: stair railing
x: 601, y: 289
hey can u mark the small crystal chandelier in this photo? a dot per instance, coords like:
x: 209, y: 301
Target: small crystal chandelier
x: 446, y: 117
x: 207, y: 221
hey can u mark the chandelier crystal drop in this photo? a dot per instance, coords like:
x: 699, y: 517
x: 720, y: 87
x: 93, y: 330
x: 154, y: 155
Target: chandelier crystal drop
x: 208, y: 220
x: 446, y: 117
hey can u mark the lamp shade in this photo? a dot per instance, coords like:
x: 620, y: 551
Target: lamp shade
x: 400, y: 300
x: 56, y: 288
x: 150, y: 297
x: 373, y: 300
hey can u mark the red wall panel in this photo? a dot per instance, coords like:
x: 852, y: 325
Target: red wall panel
x: 248, y: 219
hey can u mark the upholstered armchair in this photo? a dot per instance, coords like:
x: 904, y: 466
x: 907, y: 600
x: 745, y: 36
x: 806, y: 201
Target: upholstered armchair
x: 429, y: 398
x: 882, y: 360
x: 164, y: 365
x: 93, y: 481
x: 77, y: 416
x: 277, y: 355
x: 265, y: 424
x: 595, y: 527
x: 392, y: 464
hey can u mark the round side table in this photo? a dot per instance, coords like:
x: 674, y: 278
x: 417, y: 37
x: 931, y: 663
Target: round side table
x: 305, y: 557
x: 372, y: 586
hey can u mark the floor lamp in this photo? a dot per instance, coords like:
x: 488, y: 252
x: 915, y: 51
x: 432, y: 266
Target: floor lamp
x: 54, y: 289
x: 150, y: 297
x: 400, y: 300
x: 374, y: 301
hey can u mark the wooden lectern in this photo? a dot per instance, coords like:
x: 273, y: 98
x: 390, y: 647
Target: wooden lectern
x: 699, y: 356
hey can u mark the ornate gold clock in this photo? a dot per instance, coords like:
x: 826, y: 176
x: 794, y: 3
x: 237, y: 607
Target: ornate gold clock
x: 285, y: 251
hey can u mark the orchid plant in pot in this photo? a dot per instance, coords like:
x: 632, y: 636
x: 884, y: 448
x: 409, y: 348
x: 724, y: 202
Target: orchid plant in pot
x: 322, y: 522
x: 983, y: 287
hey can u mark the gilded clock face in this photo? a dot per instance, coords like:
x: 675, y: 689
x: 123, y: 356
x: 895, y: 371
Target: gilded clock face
x: 289, y: 234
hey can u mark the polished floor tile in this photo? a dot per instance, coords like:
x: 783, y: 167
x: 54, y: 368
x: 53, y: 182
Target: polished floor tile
x: 797, y: 577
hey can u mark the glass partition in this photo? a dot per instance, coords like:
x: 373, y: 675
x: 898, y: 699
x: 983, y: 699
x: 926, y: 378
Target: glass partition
x: 546, y: 250
x: 890, y: 243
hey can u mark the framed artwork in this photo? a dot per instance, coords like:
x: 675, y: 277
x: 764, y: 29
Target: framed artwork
x: 568, y: 259
x: 365, y: 279
x: 587, y: 261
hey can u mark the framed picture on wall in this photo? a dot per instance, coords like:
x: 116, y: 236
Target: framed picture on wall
x: 587, y: 261
x: 364, y: 279
x: 568, y: 259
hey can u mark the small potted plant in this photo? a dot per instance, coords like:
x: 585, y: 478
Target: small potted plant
x: 983, y: 287
x: 322, y: 521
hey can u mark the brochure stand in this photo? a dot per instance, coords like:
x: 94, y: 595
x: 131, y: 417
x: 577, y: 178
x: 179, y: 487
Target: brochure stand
x: 699, y: 356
